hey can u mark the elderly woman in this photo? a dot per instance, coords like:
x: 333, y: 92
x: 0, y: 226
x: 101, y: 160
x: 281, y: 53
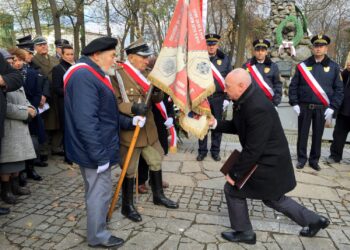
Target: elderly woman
x: 33, y: 92
x: 16, y: 145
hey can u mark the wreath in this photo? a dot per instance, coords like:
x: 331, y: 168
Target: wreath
x: 299, y: 30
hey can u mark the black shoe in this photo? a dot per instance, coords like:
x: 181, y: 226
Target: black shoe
x: 40, y: 163
x: 315, y: 166
x: 44, y: 157
x: 67, y: 161
x: 113, y: 242
x: 248, y: 237
x: 22, y: 178
x: 4, y: 211
x: 16, y: 189
x: 331, y: 160
x: 158, y: 192
x: 128, y: 209
x: 59, y: 153
x: 201, y: 157
x: 216, y: 157
x: 6, y: 193
x: 313, y: 229
x: 300, y: 165
x: 32, y: 174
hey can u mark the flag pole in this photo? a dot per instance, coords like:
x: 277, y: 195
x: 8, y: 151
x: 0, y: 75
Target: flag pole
x: 127, y: 161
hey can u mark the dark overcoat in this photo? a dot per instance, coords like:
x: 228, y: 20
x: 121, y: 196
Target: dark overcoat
x: 264, y: 143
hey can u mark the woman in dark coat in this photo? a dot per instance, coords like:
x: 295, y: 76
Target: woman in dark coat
x: 66, y: 61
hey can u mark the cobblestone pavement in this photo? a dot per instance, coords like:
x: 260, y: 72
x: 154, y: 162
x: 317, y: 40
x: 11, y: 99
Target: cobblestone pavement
x: 53, y: 217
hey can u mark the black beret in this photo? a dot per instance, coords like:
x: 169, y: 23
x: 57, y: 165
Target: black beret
x: 261, y: 43
x: 100, y: 44
x: 212, y: 38
x: 320, y: 40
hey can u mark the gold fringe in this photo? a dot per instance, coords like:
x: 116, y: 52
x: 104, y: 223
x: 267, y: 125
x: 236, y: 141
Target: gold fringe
x: 173, y: 149
x: 189, y: 125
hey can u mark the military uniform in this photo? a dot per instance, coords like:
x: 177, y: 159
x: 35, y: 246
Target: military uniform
x: 216, y: 100
x: 131, y: 99
x: 312, y: 109
x: 51, y: 116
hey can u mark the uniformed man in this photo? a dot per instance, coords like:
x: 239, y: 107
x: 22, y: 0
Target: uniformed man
x: 218, y: 101
x: 46, y: 63
x: 264, y: 72
x: 59, y: 44
x: 315, y: 92
x: 131, y: 87
x: 342, y: 126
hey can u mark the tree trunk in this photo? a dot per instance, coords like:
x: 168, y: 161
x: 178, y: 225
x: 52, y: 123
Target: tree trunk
x: 242, y: 32
x: 108, y: 25
x: 36, y: 17
x: 55, y: 19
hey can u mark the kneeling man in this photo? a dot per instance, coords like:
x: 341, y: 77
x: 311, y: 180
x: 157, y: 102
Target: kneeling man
x: 263, y: 144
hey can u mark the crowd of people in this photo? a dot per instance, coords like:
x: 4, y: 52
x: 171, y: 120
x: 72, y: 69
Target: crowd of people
x: 87, y: 111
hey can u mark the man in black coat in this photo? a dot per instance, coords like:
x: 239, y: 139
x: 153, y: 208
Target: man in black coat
x: 10, y: 80
x: 263, y: 144
x: 342, y: 125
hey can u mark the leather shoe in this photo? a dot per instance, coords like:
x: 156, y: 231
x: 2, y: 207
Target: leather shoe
x: 113, y: 242
x: 313, y: 229
x: 216, y: 157
x: 4, y: 211
x: 315, y: 166
x: 201, y: 157
x: 300, y: 165
x: 59, y: 153
x: 248, y: 237
x: 44, y: 157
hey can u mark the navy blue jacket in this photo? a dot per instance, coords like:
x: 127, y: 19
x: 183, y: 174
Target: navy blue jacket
x: 92, y: 119
x: 327, y: 74
x: 223, y: 65
x: 271, y: 74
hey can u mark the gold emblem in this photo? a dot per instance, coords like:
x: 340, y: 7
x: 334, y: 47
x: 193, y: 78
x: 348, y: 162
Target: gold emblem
x: 319, y: 36
x: 261, y: 40
x: 326, y: 69
x: 219, y: 62
x: 267, y: 70
x: 309, y: 68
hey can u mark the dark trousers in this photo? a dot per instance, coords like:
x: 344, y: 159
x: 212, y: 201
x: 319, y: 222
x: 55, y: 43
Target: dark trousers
x: 307, y: 116
x: 341, y: 130
x: 239, y: 215
x: 216, y: 109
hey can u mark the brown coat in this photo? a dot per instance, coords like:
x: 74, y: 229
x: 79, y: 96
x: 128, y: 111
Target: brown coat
x: 46, y: 65
x: 148, y: 134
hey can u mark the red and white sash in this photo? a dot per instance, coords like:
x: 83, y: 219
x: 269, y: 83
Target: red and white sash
x: 105, y: 80
x: 218, y: 77
x: 142, y: 81
x: 260, y: 80
x: 314, y: 85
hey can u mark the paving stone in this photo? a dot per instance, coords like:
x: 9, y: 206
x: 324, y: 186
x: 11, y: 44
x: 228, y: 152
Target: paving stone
x: 191, y: 246
x: 30, y: 221
x: 230, y: 246
x: 199, y: 235
x: 214, y: 183
x: 212, y: 219
x: 70, y: 241
x: 314, y: 179
x: 264, y: 225
x: 173, y: 226
x: 317, y: 243
x: 178, y: 179
x: 190, y: 167
x: 338, y: 236
x: 170, y: 166
x: 142, y: 241
x: 311, y: 191
x: 171, y: 243
x: 291, y: 242
x: 181, y: 215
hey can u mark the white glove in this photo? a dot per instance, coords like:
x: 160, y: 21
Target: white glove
x: 169, y: 122
x: 139, y: 120
x: 225, y: 105
x: 104, y: 167
x: 296, y: 109
x: 328, y: 114
x: 214, y: 125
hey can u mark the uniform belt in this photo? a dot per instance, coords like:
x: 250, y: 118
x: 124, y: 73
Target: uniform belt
x: 312, y: 106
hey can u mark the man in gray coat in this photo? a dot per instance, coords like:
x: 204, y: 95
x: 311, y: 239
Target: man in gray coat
x: 10, y: 80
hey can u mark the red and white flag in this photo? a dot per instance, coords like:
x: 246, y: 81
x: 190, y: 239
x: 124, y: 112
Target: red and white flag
x: 183, y: 69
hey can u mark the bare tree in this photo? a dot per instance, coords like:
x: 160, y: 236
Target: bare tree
x: 36, y: 17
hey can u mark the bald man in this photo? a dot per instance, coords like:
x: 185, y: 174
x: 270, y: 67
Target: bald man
x: 263, y: 144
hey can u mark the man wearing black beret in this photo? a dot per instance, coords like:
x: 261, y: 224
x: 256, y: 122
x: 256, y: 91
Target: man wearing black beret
x: 92, y: 124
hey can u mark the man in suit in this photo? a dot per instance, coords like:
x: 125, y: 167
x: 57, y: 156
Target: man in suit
x: 10, y: 80
x: 263, y: 144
